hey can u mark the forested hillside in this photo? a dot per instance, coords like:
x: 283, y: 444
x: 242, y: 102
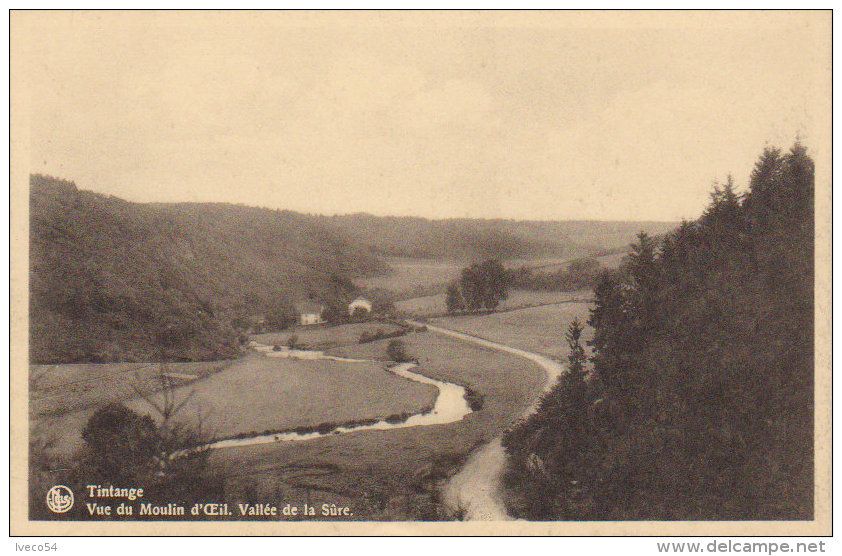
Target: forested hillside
x: 112, y: 280
x: 479, y: 239
x: 699, y: 403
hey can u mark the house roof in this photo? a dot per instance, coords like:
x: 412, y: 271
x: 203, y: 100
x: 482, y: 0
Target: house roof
x: 309, y: 308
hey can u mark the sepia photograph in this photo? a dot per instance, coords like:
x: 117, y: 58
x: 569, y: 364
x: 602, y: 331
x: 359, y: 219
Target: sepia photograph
x: 420, y: 272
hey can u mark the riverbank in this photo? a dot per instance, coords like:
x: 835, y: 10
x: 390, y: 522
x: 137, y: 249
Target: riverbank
x: 395, y: 474
x: 451, y: 405
x: 476, y: 489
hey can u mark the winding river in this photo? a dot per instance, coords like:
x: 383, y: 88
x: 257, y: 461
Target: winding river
x: 476, y: 487
x: 450, y: 405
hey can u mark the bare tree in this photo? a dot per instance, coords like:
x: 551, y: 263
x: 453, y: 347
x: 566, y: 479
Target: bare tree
x: 168, y: 405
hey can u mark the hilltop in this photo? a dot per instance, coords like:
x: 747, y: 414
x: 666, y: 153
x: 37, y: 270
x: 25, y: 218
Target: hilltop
x: 476, y: 239
x: 113, y: 280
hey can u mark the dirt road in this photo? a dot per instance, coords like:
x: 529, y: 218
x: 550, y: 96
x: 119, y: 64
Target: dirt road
x: 476, y: 488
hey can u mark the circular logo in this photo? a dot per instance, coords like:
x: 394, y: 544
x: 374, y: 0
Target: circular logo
x: 59, y: 499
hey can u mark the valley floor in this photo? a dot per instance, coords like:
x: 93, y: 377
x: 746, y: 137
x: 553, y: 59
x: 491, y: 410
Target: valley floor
x: 393, y: 474
x: 383, y: 475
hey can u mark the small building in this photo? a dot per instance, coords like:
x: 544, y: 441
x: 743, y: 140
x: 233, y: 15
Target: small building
x: 310, y: 312
x: 360, y: 303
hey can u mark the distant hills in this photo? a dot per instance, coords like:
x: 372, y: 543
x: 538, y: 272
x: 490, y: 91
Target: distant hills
x: 476, y: 239
x: 113, y: 280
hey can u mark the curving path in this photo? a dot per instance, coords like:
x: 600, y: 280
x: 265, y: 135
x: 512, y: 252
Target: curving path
x: 476, y: 487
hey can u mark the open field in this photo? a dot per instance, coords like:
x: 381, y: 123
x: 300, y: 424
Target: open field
x: 59, y: 389
x: 538, y: 329
x: 554, y: 265
x: 410, y: 274
x: 63, y: 397
x: 435, y: 304
x: 381, y: 474
x: 322, y: 337
x: 417, y: 277
x: 611, y: 261
x: 549, y: 264
x: 258, y: 393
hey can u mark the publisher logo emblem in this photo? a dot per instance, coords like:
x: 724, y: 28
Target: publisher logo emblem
x: 59, y: 499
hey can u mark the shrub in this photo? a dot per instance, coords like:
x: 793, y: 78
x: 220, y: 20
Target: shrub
x: 367, y: 337
x: 120, y: 443
x: 475, y: 399
x: 396, y: 418
x: 396, y: 350
x: 325, y: 428
x: 360, y: 314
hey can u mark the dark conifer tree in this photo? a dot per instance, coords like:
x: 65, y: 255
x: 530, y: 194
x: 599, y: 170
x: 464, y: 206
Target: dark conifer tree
x: 701, y: 403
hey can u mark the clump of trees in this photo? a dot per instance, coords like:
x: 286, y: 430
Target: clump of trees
x: 698, y: 399
x: 396, y: 350
x: 367, y: 337
x: 579, y: 274
x: 480, y: 286
x: 360, y: 314
x: 554, y: 452
x: 280, y: 314
x: 162, y: 456
x: 294, y: 343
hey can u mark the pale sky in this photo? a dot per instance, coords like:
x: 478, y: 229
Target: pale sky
x: 539, y: 116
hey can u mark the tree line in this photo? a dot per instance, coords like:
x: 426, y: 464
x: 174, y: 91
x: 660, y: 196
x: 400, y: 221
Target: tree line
x: 579, y: 274
x: 698, y: 399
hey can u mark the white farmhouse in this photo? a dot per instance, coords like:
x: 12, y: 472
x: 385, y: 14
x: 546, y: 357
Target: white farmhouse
x: 359, y: 303
x: 310, y: 313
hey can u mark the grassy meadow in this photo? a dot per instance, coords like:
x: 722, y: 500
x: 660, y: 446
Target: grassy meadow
x: 322, y: 338
x: 257, y: 393
x: 260, y: 393
x: 614, y: 260
x: 63, y: 397
x: 410, y: 275
x: 417, y: 276
x: 60, y: 389
x: 387, y: 474
x: 539, y: 329
x: 381, y: 475
x: 435, y: 304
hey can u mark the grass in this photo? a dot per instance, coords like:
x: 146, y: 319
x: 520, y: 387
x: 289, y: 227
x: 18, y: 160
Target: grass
x: 420, y: 275
x: 435, y: 304
x: 322, y: 338
x: 381, y: 475
x: 410, y: 274
x: 538, y: 329
x: 386, y: 474
x: 613, y: 260
x: 259, y: 393
x: 63, y: 397
x: 59, y: 389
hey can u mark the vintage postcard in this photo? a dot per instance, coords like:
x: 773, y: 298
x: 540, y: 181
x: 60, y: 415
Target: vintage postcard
x: 420, y: 273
